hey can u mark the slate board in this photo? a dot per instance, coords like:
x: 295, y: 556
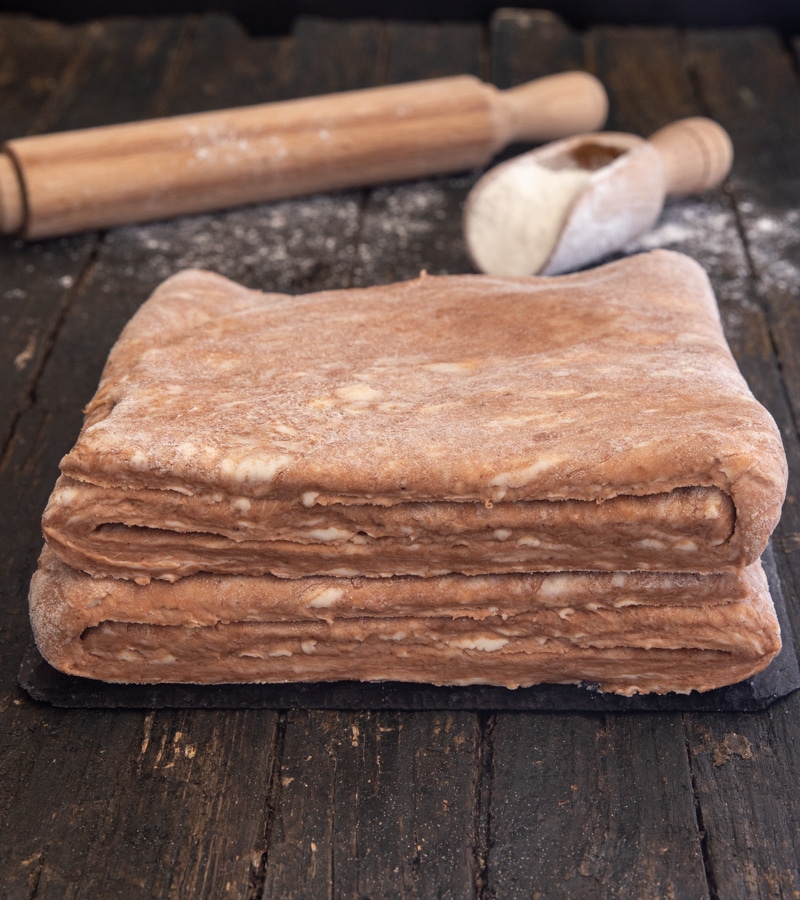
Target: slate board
x: 781, y: 677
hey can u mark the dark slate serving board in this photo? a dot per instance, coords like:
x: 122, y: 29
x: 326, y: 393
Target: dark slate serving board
x: 780, y: 678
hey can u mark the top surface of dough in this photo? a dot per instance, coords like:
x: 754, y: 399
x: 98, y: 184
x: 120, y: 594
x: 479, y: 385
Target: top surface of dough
x: 613, y: 381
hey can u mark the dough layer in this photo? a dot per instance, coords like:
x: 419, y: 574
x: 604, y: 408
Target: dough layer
x: 639, y: 632
x: 450, y: 424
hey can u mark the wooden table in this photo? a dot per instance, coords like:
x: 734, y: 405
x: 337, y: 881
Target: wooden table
x: 310, y: 803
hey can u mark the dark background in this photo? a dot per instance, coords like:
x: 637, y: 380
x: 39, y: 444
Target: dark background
x: 276, y: 17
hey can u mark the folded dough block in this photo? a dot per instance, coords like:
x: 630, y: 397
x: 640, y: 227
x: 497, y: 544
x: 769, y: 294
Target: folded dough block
x: 629, y: 633
x: 456, y: 424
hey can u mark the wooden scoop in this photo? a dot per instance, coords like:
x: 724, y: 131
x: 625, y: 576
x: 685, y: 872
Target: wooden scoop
x: 572, y: 202
x: 61, y: 183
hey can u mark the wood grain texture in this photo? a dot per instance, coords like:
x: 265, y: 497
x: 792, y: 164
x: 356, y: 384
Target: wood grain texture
x: 39, y: 281
x: 34, y: 56
x: 737, y: 75
x: 376, y: 805
x: 743, y: 771
x: 526, y: 44
x: 343, y: 55
x: 575, y: 811
x: 643, y: 71
x: 223, y: 66
x: 452, y: 48
x: 765, y: 198
x: 150, y: 792
x: 116, y: 74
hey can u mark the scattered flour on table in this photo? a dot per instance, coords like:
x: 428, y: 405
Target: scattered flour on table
x: 514, y: 219
x: 289, y: 246
x: 319, y: 242
x: 707, y: 230
x: 409, y: 227
x: 774, y: 243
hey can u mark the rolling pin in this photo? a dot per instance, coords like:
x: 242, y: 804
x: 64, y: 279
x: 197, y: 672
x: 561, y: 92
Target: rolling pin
x: 98, y: 177
x: 572, y: 202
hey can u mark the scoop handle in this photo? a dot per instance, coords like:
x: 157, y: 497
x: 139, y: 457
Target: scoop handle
x: 549, y: 108
x: 696, y: 153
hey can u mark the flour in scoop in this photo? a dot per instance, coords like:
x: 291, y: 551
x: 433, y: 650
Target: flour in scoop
x: 514, y: 219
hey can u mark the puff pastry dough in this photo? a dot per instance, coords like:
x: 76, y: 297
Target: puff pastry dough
x: 452, y: 452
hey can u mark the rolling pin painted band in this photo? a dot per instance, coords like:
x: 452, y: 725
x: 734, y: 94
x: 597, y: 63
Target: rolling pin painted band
x: 99, y: 177
x: 573, y: 202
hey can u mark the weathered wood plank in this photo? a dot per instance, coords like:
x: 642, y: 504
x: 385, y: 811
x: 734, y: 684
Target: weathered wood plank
x: 643, y: 73
x: 92, y: 75
x: 375, y: 805
x: 454, y: 48
x: 414, y: 226
x: 33, y: 280
x: 36, y: 282
x: 750, y: 85
x: 333, y: 56
x: 117, y: 76
x: 129, y: 804
x: 225, y: 67
x: 589, y: 806
x: 527, y: 44
x: 745, y: 772
x: 737, y: 74
x: 33, y: 57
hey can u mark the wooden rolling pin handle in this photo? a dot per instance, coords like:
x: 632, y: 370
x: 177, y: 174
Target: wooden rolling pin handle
x: 553, y: 107
x: 696, y: 153
x: 12, y: 197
